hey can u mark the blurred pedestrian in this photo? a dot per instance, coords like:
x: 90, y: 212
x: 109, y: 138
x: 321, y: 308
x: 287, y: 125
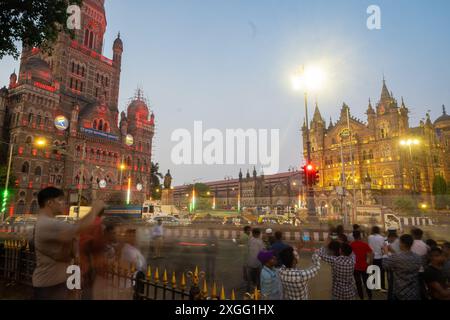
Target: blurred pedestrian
x: 419, y: 247
x: 278, y: 246
x: 211, y: 251
x: 392, y: 246
x: 54, y: 243
x: 377, y: 243
x: 92, y: 247
x: 255, y: 246
x: 446, y: 267
x: 268, y: 238
x: 342, y: 261
x: 158, y: 239
x: 355, y: 227
x: 434, y: 277
x: 270, y: 278
x: 405, y: 266
x: 293, y: 279
x: 243, y: 243
x: 364, y: 258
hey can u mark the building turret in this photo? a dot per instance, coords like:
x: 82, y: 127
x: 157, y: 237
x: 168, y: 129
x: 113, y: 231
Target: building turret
x: 13, y: 80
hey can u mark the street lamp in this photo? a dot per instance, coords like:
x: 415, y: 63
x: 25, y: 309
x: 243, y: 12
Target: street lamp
x: 8, y: 173
x: 309, y: 79
x: 410, y: 143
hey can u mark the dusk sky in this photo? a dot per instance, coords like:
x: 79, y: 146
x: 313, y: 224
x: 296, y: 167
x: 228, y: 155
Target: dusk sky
x: 228, y: 63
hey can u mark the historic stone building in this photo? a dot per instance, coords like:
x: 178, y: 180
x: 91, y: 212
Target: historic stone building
x: 279, y: 191
x: 377, y: 167
x: 77, y: 85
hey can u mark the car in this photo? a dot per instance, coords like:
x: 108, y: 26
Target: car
x: 166, y: 220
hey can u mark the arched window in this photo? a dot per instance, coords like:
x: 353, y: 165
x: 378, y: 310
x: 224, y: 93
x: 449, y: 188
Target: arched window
x: 100, y: 125
x: 26, y: 168
x: 38, y: 171
x: 364, y: 155
x: 106, y: 127
x: 21, y: 207
x: 86, y: 38
x: 91, y: 39
x: 30, y: 117
x: 94, y: 125
x: 38, y: 120
x: 29, y: 141
x: 34, y: 207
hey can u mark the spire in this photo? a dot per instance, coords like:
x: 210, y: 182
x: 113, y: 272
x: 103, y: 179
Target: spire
x: 428, y: 121
x: 444, y: 112
x: 345, y: 109
x: 255, y: 174
x: 370, y: 109
x: 403, y: 103
x: 331, y: 123
x: 385, y: 95
x: 317, y: 116
x: 240, y: 174
x: 248, y: 174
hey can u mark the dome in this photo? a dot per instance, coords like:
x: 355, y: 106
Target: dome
x: 118, y: 44
x: 139, y: 109
x: 39, y: 70
x: 444, y: 119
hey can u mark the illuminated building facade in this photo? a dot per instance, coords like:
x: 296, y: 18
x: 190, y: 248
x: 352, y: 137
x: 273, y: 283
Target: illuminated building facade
x: 278, y: 192
x: 384, y: 158
x: 77, y: 85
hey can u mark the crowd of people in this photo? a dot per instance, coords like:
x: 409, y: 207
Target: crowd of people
x: 409, y: 268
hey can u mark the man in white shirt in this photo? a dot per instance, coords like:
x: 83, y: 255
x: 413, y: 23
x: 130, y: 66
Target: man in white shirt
x: 54, y: 244
x: 157, y: 236
x: 376, y: 242
x: 419, y: 247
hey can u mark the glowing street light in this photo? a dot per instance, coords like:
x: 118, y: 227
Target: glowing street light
x: 310, y: 79
x: 41, y: 142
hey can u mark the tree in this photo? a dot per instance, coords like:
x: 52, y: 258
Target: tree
x: 404, y: 205
x: 440, y: 192
x: 155, y: 181
x: 3, y: 173
x: 35, y: 23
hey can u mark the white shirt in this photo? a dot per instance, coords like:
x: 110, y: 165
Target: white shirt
x: 157, y: 231
x: 133, y: 256
x: 376, y: 243
x: 420, y: 248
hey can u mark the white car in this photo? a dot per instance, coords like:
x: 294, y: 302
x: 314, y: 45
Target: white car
x: 166, y: 220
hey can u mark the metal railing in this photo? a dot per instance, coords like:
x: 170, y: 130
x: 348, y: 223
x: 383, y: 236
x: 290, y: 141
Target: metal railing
x: 119, y: 281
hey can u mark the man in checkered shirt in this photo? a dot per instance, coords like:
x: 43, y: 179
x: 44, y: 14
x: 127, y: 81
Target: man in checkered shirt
x: 294, y: 280
x: 342, y: 261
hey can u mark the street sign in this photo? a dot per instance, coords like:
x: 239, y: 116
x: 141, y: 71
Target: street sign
x: 102, y: 184
x: 139, y: 187
x: 61, y: 123
x: 129, y: 140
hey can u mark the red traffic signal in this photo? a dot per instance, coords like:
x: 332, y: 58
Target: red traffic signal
x: 310, y: 175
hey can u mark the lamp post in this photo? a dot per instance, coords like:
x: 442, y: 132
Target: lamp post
x: 8, y: 174
x: 308, y: 79
x: 409, y: 143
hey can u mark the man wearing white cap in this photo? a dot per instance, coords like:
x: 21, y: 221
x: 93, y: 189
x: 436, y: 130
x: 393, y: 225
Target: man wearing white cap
x: 268, y: 238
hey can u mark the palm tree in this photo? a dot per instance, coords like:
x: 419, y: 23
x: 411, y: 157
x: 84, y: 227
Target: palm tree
x: 155, y: 180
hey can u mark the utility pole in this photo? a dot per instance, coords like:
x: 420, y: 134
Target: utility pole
x: 80, y: 189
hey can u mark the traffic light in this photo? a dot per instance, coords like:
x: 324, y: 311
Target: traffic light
x: 310, y: 175
x: 5, y: 197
